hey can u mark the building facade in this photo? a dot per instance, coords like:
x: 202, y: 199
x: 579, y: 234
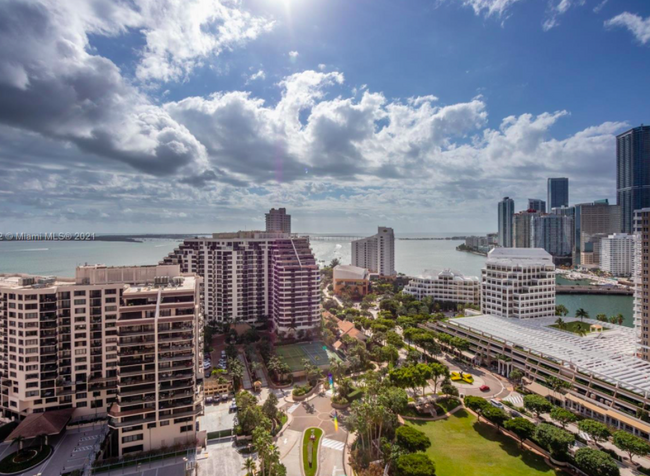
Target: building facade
x: 113, y: 342
x: 506, y: 211
x: 255, y: 277
x: 537, y: 205
x: 617, y: 254
x: 350, y: 278
x: 522, y: 225
x: 594, y: 218
x: 557, y: 192
x: 445, y: 286
x: 642, y: 281
x: 277, y: 221
x: 376, y: 253
x: 553, y: 233
x: 518, y: 283
x: 632, y: 173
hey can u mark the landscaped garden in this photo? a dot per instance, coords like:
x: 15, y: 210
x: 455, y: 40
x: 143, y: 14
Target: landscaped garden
x: 25, y: 459
x: 471, y: 448
x: 577, y: 327
x: 310, y: 450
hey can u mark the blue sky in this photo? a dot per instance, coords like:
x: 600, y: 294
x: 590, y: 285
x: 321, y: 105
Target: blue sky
x: 159, y: 116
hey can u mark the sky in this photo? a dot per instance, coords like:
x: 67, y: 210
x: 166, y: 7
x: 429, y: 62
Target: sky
x: 162, y: 116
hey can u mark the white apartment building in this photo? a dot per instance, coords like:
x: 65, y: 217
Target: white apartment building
x: 518, y: 283
x: 445, y: 286
x: 642, y: 282
x: 277, y: 221
x: 376, y: 253
x: 617, y: 254
x: 255, y: 277
x: 113, y: 342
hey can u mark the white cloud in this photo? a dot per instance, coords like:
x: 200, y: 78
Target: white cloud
x: 260, y: 74
x: 293, y: 54
x: 181, y: 34
x: 489, y: 8
x: 637, y: 25
x: 556, y: 10
x: 322, y: 66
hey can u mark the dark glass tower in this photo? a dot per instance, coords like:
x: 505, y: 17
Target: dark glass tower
x: 632, y: 173
x: 557, y: 191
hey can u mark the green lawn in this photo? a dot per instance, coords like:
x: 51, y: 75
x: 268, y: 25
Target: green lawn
x: 305, y: 445
x: 461, y: 446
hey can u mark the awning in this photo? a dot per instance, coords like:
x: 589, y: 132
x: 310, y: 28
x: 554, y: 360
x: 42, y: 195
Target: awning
x: 544, y: 391
x: 610, y: 412
x: 37, y: 424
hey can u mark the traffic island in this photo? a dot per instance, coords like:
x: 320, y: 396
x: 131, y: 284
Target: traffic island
x: 310, y: 441
x: 25, y: 459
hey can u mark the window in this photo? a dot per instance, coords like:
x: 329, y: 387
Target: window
x: 128, y: 439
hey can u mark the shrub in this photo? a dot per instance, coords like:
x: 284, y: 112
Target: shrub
x: 415, y: 464
x: 411, y: 439
x: 596, y: 463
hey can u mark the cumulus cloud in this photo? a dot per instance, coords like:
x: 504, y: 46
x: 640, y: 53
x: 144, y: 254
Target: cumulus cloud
x: 637, y: 25
x: 181, y: 34
x: 260, y: 74
x: 76, y: 136
x: 293, y: 54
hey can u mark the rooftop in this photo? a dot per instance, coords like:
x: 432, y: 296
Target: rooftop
x: 607, y: 355
x: 347, y: 271
x: 519, y: 256
x: 448, y: 273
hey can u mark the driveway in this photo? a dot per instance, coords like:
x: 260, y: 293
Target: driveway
x: 220, y: 458
x: 217, y: 417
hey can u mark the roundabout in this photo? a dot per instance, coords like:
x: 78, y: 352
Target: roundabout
x: 25, y: 459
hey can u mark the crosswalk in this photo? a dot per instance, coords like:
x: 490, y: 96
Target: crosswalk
x: 78, y: 449
x: 89, y: 438
x: 515, y: 398
x: 333, y: 444
x: 293, y: 407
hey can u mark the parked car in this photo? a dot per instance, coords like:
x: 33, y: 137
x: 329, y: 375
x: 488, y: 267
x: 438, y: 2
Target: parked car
x: 208, y: 400
x: 496, y: 403
x: 207, y: 364
x: 484, y: 388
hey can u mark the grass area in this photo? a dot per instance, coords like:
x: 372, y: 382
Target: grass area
x: 15, y: 462
x: 305, y: 446
x: 577, y: 326
x: 460, y: 445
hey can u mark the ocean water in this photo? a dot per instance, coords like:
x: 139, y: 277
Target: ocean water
x: 412, y: 257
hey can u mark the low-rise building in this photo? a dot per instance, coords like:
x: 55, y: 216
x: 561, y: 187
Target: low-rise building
x: 607, y: 381
x: 350, y: 279
x: 445, y: 286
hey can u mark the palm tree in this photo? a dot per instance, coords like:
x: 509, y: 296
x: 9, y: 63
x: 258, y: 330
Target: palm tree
x: 602, y: 317
x: 559, y: 322
x: 19, y: 440
x: 620, y: 319
x: 581, y: 313
x: 612, y: 320
x: 249, y: 466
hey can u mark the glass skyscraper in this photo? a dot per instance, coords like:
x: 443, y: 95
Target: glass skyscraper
x: 506, y: 214
x: 557, y: 193
x: 632, y: 173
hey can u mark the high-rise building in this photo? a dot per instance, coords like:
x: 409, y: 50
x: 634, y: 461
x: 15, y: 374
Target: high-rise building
x: 557, y: 192
x: 277, y: 221
x: 522, y: 227
x: 518, y: 283
x: 642, y: 281
x: 376, y: 253
x: 594, y: 218
x: 506, y: 213
x: 537, y: 205
x: 632, y: 173
x: 617, y: 254
x: 119, y: 342
x: 553, y: 233
x: 255, y: 277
